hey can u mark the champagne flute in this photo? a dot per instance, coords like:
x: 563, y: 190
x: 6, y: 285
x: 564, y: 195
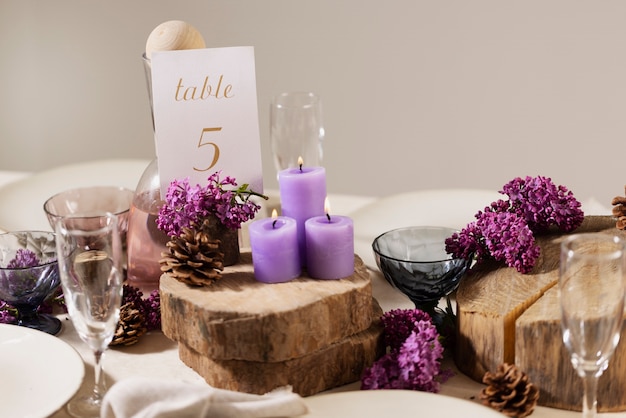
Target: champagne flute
x: 591, y: 289
x: 90, y: 266
x: 296, y: 129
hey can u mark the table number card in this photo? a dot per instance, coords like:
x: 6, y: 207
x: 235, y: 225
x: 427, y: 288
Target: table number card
x: 206, y: 116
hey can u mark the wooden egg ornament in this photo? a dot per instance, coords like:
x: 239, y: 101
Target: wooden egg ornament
x: 174, y: 35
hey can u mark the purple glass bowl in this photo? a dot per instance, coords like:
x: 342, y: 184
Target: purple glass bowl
x: 25, y: 288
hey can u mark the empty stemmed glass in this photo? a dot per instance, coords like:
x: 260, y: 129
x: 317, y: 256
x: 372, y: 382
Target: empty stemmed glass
x: 90, y: 265
x: 591, y: 289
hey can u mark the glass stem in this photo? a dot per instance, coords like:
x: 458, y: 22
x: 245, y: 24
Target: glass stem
x: 590, y: 388
x: 26, y: 315
x: 99, y: 387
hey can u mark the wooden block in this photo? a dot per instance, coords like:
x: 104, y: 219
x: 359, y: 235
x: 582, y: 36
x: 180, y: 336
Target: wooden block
x: 337, y: 364
x: 240, y: 318
x: 491, y: 299
x: 540, y: 352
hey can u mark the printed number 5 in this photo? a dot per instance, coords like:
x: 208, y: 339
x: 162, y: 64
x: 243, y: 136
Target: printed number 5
x: 216, y: 149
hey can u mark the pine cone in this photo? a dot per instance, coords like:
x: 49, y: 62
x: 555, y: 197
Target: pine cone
x: 130, y: 327
x: 509, y: 391
x: 619, y: 211
x: 194, y: 257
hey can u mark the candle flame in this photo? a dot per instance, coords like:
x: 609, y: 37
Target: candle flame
x: 274, y: 217
x: 327, y: 208
x: 300, y: 162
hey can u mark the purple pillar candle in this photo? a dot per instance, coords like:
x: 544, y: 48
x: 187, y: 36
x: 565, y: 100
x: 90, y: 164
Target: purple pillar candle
x: 302, y: 194
x: 274, y: 245
x: 329, y: 247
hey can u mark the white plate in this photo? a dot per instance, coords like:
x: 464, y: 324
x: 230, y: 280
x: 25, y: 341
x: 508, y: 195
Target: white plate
x: 21, y: 202
x: 394, y: 403
x: 40, y: 372
x: 453, y: 208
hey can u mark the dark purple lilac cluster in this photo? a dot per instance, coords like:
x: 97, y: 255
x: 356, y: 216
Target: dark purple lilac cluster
x: 186, y: 205
x: 543, y: 204
x: 504, y: 231
x: 150, y: 307
x: 414, y: 354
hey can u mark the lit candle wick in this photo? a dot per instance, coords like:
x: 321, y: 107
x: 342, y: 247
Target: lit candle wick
x: 327, y: 208
x: 300, y: 163
x: 274, y: 223
x: 274, y: 217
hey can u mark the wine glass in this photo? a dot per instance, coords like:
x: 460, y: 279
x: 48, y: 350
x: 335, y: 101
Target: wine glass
x: 591, y: 289
x: 296, y: 129
x: 90, y: 265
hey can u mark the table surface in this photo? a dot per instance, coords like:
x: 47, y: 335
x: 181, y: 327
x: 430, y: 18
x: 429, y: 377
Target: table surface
x: 157, y: 356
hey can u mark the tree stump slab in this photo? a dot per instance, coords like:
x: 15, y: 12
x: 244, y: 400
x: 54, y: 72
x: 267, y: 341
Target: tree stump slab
x: 239, y: 318
x: 539, y: 348
x: 506, y: 316
x: 338, y: 364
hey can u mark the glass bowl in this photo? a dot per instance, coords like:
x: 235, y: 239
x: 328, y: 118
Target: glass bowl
x: 414, y: 261
x: 29, y: 273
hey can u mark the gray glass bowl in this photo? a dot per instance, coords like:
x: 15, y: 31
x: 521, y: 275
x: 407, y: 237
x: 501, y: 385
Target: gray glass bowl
x: 414, y: 261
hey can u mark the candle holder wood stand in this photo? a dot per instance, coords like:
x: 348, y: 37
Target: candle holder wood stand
x: 248, y: 336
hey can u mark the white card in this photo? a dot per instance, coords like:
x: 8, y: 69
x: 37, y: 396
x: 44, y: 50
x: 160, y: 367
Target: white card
x: 206, y: 116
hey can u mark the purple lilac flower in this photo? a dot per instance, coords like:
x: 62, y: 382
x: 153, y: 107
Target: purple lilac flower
x: 384, y: 374
x: 186, y: 205
x: 399, y: 324
x: 542, y: 203
x: 415, y: 363
x: 419, y: 358
x: 23, y: 258
x: 152, y: 310
x: 150, y: 307
x: 502, y: 236
x: 505, y: 230
x: 8, y: 314
x: 508, y: 238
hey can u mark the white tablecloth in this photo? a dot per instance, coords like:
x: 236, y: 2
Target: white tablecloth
x: 157, y: 356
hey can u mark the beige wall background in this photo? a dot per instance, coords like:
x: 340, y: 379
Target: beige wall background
x: 417, y: 94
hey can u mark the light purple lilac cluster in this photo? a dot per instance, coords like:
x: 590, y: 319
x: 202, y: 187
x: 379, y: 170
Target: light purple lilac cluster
x: 23, y: 258
x: 414, y: 354
x: 504, y: 231
x: 186, y: 205
x: 150, y: 307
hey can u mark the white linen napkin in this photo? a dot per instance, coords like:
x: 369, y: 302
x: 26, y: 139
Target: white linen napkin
x: 159, y: 398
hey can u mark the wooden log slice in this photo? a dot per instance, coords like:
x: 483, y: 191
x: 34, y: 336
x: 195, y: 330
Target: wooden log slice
x: 338, y: 364
x: 490, y: 300
x: 540, y: 352
x: 239, y: 318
